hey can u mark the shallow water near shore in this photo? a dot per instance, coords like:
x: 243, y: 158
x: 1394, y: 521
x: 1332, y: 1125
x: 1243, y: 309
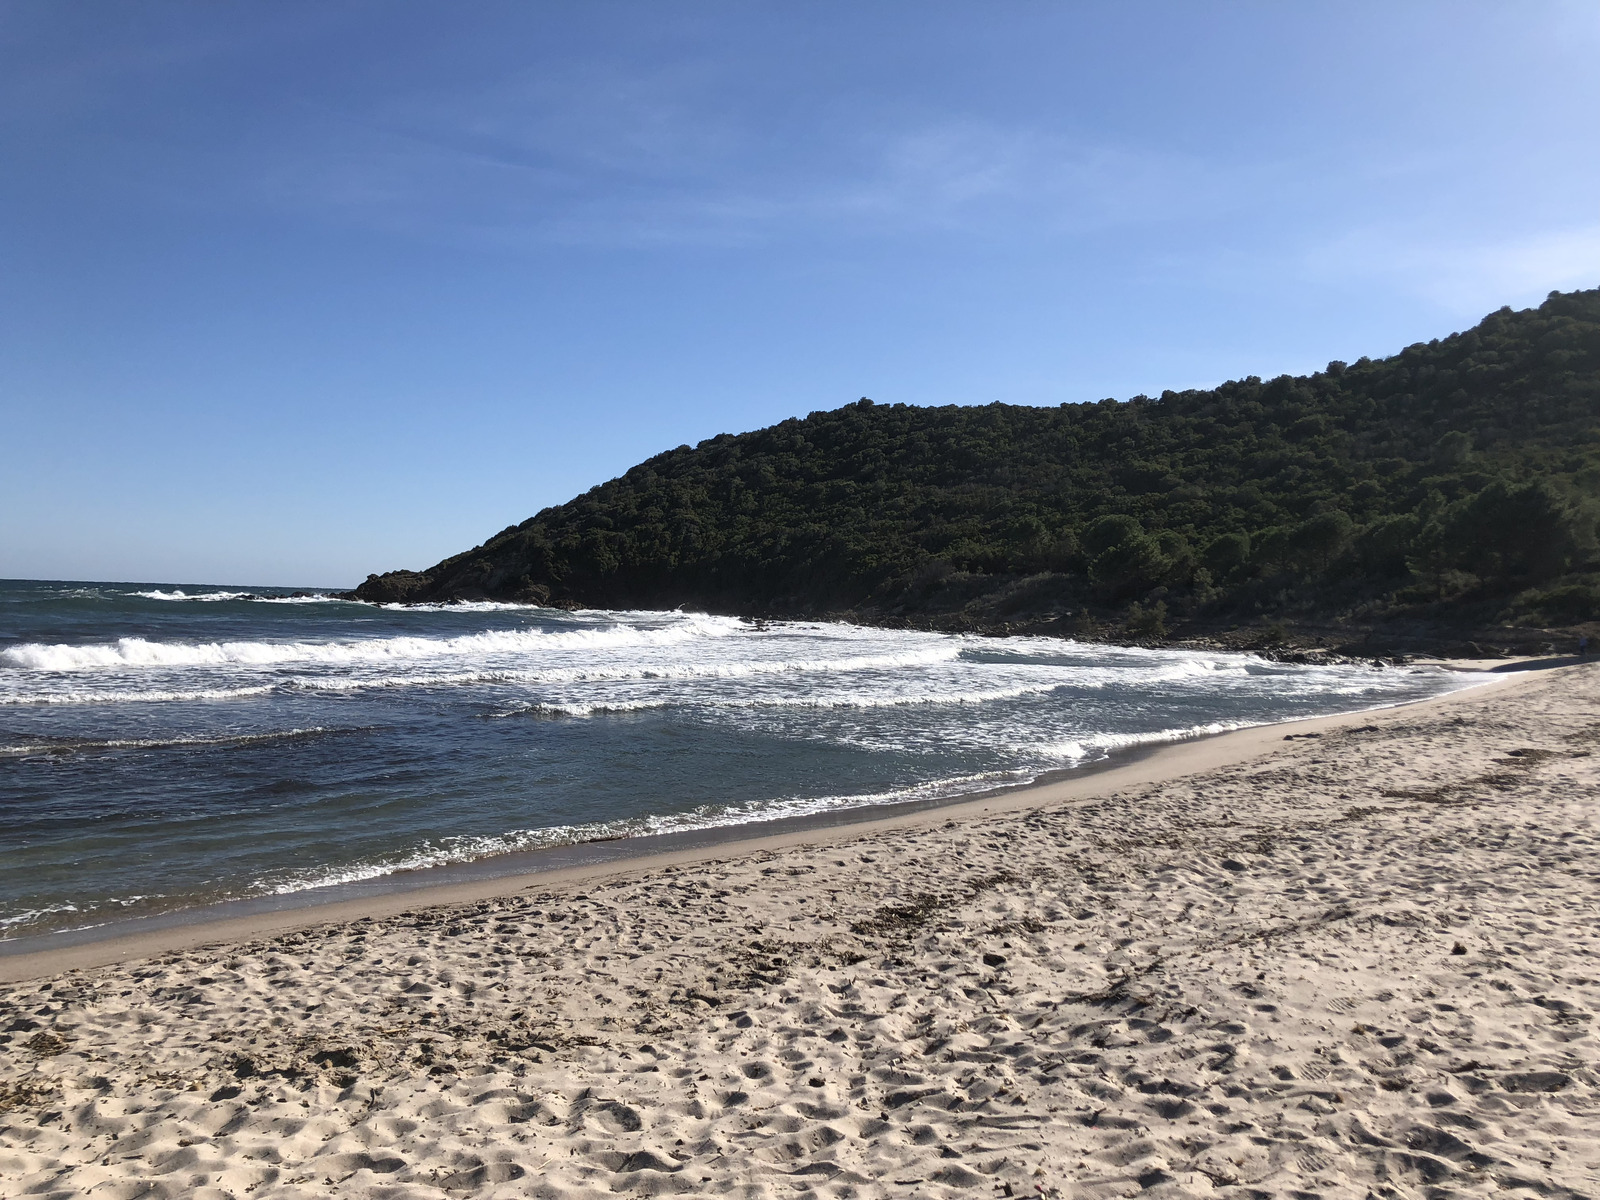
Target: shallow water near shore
x: 168, y: 746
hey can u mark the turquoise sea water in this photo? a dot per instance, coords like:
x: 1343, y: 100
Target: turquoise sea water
x: 164, y: 746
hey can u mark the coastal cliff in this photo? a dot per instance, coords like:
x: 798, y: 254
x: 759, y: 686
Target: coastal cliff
x: 1455, y: 482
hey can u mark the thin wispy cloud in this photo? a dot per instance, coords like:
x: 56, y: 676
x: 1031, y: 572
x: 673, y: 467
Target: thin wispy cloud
x: 669, y: 176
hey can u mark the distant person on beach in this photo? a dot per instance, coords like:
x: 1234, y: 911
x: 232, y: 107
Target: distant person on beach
x: 1583, y: 646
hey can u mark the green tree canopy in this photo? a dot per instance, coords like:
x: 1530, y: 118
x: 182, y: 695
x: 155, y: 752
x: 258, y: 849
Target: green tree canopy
x: 1464, y: 467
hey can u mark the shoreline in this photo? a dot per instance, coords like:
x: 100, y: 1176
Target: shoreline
x: 1358, y: 957
x: 87, y: 947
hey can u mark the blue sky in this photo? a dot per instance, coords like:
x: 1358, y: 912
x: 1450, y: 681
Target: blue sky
x: 291, y: 291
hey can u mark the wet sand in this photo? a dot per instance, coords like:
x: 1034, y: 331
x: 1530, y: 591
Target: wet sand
x: 1359, y: 962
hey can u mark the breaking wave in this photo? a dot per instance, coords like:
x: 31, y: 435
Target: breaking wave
x: 526, y: 677
x: 1098, y: 745
x: 252, y: 597
x: 844, y: 700
x: 140, y: 652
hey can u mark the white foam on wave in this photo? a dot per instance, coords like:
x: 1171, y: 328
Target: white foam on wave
x: 1091, y: 745
x: 1123, y: 664
x: 744, y: 668
x: 645, y: 673
x: 144, y: 696
x: 448, y: 606
x: 663, y: 671
x: 253, y: 597
x: 453, y: 851
x: 465, y: 606
x: 837, y: 700
x: 1040, y: 646
x: 74, y: 745
x: 203, y: 597
x: 32, y: 916
x: 139, y: 652
x: 1140, y: 675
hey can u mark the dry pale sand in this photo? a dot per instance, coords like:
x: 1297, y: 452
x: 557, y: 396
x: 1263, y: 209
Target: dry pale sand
x: 1358, y: 964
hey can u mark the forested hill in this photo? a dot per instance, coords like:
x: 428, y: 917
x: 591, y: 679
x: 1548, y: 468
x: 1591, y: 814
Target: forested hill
x: 1459, y: 476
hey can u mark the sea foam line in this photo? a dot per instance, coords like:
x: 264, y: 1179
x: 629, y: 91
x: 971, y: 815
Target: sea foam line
x: 750, y: 668
x: 453, y: 851
x: 1078, y: 749
x: 139, y: 652
x: 8, y: 923
x: 148, y: 696
x: 851, y: 700
x: 74, y: 745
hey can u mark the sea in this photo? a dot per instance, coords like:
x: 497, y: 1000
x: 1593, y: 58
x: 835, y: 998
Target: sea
x: 169, y: 748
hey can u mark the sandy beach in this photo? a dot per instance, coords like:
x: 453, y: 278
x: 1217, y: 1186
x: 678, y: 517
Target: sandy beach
x: 1355, y: 956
